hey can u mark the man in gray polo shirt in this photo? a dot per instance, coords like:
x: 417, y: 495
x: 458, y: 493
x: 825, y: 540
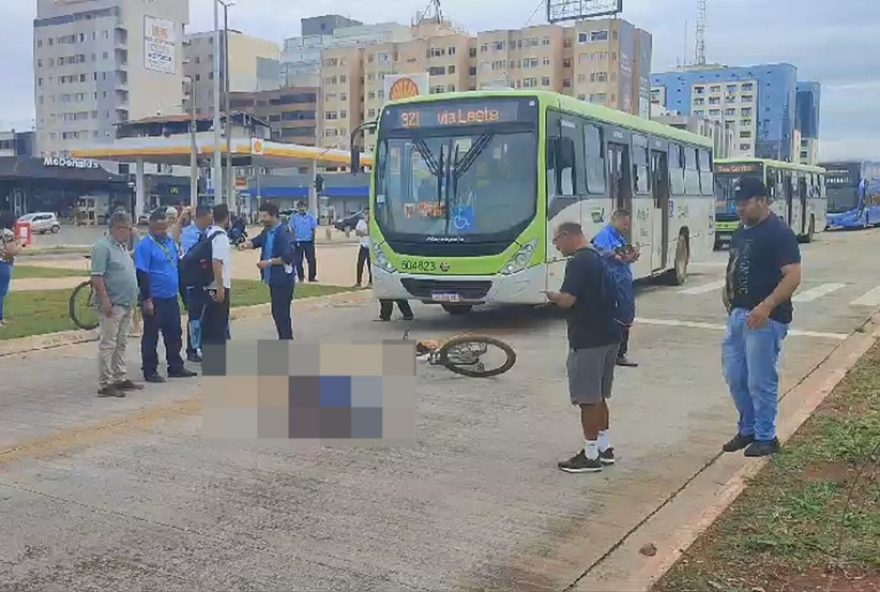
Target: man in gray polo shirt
x: 115, y: 284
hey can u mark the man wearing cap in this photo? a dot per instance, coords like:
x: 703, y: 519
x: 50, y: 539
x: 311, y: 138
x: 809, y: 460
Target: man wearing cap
x: 763, y: 273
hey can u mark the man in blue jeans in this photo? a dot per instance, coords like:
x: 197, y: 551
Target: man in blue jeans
x: 303, y: 226
x: 763, y: 273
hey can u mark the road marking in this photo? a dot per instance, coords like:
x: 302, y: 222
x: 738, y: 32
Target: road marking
x: 871, y: 298
x: 817, y: 292
x: 718, y: 327
x: 704, y: 288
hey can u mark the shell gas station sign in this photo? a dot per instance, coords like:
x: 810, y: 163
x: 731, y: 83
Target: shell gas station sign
x: 404, y: 86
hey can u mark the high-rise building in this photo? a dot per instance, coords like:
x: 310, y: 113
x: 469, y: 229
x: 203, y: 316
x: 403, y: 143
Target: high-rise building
x: 809, y: 100
x: 253, y: 66
x: 758, y: 102
x: 292, y: 113
x: 101, y: 62
x: 605, y: 61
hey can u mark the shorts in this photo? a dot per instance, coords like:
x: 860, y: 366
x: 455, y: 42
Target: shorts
x: 591, y: 374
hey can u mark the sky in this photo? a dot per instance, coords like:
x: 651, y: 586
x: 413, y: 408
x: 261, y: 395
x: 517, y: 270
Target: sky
x: 834, y: 42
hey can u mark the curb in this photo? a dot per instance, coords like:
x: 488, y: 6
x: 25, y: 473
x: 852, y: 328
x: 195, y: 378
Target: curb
x: 712, y: 489
x: 32, y: 343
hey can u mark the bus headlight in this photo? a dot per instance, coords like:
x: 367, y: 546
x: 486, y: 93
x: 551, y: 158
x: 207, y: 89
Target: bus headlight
x: 521, y: 260
x: 382, y: 260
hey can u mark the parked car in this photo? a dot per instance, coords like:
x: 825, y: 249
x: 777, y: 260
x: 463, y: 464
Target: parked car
x: 349, y: 222
x: 42, y: 222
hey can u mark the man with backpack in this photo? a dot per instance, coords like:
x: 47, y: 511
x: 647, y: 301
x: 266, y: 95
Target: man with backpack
x: 589, y: 297
x: 619, y: 256
x: 276, y: 266
x: 208, y: 266
x: 194, y: 295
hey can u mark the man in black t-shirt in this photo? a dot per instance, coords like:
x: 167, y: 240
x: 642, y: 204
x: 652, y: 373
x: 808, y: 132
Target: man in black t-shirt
x: 594, y: 341
x: 763, y: 273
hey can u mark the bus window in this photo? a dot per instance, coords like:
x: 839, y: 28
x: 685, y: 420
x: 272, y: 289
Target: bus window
x: 641, y: 172
x: 572, y: 132
x: 676, y: 170
x: 706, y: 173
x: 691, y: 172
x: 595, y: 160
x: 563, y: 154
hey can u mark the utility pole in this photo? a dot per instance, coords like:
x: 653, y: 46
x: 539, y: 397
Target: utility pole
x: 194, y: 149
x: 230, y: 187
x: 218, y: 162
x: 700, y: 54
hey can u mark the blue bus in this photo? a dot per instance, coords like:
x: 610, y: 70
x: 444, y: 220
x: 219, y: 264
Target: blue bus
x: 853, y: 194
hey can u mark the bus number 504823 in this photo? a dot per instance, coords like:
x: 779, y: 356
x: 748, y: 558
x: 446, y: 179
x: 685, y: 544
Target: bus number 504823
x: 410, y: 265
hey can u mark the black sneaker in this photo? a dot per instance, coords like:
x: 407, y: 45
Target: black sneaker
x: 111, y: 391
x: 738, y: 442
x: 194, y: 358
x: 762, y: 448
x: 626, y: 362
x: 128, y: 385
x: 606, y: 457
x: 579, y: 463
x: 154, y: 378
x: 182, y: 373
x: 408, y: 318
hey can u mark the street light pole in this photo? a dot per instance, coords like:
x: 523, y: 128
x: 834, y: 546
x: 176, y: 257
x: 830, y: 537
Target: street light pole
x: 194, y: 149
x: 218, y: 163
x: 230, y: 193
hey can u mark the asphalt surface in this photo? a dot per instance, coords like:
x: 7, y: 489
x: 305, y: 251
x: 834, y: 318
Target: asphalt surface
x: 100, y: 494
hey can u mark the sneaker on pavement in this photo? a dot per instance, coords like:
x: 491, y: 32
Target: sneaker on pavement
x: 194, y: 358
x: 154, y: 378
x: 626, y: 362
x: 111, y: 391
x: 762, y: 448
x: 738, y: 442
x: 606, y: 457
x: 579, y: 463
x: 182, y: 373
x: 128, y: 385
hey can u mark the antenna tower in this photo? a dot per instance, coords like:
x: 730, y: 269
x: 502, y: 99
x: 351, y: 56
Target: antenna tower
x: 700, y: 54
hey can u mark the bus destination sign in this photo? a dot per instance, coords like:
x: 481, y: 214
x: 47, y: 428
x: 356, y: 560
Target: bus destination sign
x: 437, y: 115
x: 739, y: 168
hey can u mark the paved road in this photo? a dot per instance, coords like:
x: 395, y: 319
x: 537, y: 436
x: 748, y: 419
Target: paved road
x: 123, y: 495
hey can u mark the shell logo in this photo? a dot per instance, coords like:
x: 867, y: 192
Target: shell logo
x: 403, y: 89
x: 257, y: 147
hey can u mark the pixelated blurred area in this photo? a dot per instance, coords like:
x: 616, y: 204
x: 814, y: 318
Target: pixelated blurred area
x: 334, y: 394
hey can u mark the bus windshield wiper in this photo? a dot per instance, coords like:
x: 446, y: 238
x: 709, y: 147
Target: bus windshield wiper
x: 471, y: 155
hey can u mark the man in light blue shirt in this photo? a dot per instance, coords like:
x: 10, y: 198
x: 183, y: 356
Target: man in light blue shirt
x: 303, y: 226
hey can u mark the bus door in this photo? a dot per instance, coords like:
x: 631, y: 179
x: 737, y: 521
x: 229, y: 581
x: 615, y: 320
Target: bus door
x: 802, y: 196
x: 620, y: 178
x: 660, y: 215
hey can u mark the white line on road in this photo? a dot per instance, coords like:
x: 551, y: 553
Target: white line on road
x: 704, y: 288
x: 715, y: 327
x: 871, y: 298
x: 817, y: 292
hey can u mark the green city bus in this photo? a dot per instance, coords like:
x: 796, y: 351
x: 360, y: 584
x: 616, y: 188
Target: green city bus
x: 467, y: 189
x: 797, y: 192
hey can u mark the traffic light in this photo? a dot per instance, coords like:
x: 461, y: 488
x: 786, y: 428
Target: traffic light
x: 319, y: 183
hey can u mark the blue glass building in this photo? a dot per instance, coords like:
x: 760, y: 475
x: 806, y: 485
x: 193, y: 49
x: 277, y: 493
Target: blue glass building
x: 758, y: 101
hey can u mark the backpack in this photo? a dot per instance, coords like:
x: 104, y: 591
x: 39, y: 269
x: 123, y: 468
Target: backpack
x: 197, y: 266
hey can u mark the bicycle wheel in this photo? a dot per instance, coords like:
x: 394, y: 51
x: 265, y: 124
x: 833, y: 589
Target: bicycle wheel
x: 83, y: 311
x: 469, y: 355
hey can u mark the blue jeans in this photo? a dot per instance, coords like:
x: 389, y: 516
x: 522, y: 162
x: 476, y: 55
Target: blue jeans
x: 750, y: 358
x: 5, y: 280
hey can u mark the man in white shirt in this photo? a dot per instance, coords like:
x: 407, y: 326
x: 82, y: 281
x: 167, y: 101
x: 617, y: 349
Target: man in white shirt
x: 363, y: 231
x: 215, y: 318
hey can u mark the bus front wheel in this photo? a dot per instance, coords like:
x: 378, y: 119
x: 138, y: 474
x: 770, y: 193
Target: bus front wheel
x: 457, y: 309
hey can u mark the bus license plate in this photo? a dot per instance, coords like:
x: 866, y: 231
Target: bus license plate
x: 445, y: 297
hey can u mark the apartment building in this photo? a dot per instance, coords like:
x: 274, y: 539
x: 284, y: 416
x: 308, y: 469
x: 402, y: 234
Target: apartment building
x: 342, y: 88
x: 758, y: 102
x: 253, y: 67
x: 292, y: 113
x: 101, y: 62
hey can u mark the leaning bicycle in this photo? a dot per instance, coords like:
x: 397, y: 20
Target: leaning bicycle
x: 474, y: 356
x: 82, y: 306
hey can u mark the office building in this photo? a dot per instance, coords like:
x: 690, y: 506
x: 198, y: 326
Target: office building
x: 13, y: 143
x: 809, y: 99
x: 758, y: 102
x: 326, y: 24
x: 101, y: 62
x: 253, y: 67
x: 291, y: 113
x: 720, y: 132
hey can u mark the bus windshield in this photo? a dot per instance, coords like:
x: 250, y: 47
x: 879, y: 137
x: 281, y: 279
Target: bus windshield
x: 449, y: 173
x: 842, y: 199
x: 725, y: 183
